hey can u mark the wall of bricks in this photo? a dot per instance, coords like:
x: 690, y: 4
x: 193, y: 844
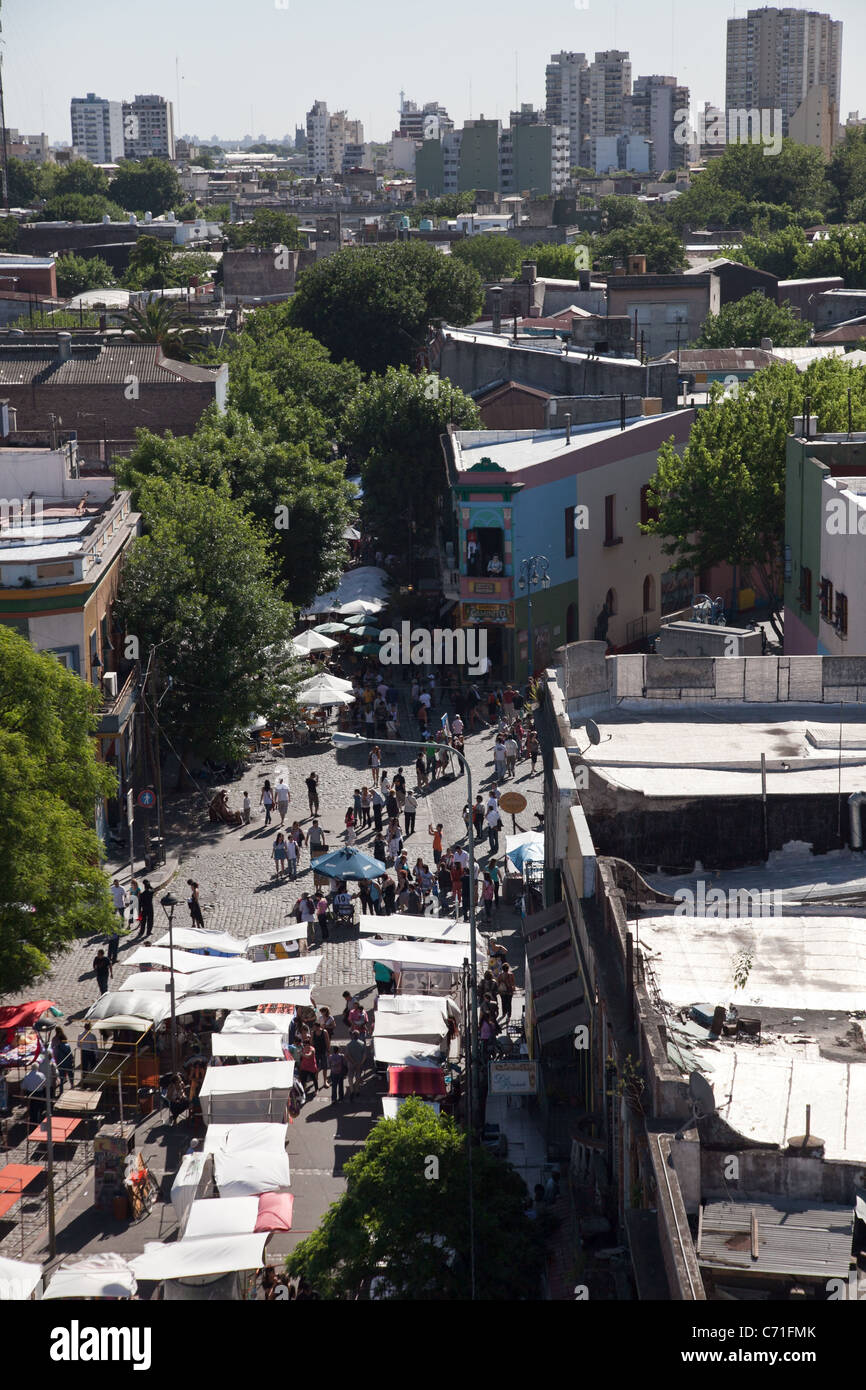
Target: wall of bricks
x: 97, y: 410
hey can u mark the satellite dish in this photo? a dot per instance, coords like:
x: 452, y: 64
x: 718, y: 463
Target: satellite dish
x: 592, y: 731
x: 702, y: 1095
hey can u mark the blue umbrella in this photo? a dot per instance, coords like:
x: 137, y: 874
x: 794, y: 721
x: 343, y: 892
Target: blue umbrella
x: 348, y: 862
x: 528, y: 851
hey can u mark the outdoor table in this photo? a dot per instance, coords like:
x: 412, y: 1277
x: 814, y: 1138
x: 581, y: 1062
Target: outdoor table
x: 14, y: 1178
x: 78, y: 1101
x: 61, y: 1130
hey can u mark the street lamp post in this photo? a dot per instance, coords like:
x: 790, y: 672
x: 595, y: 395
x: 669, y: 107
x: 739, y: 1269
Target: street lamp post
x: 44, y: 1030
x: 342, y: 740
x: 533, y: 571
x: 169, y: 903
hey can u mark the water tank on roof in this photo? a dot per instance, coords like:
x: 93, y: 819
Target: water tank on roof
x: 106, y: 217
x: 148, y: 217
x: 404, y: 224
x: 426, y: 224
x: 133, y: 220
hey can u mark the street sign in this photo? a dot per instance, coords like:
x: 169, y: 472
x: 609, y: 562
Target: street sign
x: 513, y: 1078
x: 512, y: 803
x: 147, y: 798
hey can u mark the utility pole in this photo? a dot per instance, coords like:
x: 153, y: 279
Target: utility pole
x: 158, y: 763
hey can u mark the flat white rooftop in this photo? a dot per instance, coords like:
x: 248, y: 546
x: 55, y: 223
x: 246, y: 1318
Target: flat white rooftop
x: 515, y: 450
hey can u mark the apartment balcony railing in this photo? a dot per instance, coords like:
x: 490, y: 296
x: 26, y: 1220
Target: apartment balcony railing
x: 115, y: 710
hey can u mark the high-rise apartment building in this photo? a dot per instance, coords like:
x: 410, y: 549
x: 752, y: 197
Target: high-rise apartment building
x: 148, y: 128
x: 425, y: 122
x: 775, y: 56
x: 654, y: 110
x: 328, y: 138
x: 567, y: 99
x: 534, y: 155
x: 609, y: 86
x: 317, y: 138
x: 97, y: 128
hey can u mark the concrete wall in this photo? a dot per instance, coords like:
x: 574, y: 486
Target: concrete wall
x: 176, y: 407
x: 656, y: 297
x: 253, y: 273
x: 832, y: 309
x: 42, y: 238
x: 800, y: 294
x: 471, y: 365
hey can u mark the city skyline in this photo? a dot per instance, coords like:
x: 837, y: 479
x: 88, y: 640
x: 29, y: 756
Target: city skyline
x: 263, y: 75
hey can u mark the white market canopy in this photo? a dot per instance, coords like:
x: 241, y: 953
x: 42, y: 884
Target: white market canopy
x: 236, y: 974
x: 391, y: 1104
x: 416, y: 1003
x: 250, y: 1091
x: 249, y: 1159
x: 241, y: 999
x: 406, y: 1052
x: 240, y: 1022
x: 151, y: 981
x: 311, y: 642
x: 256, y: 1044
x: 185, y: 962
x: 201, y: 941
x: 368, y: 582
x: 319, y: 699
x: 186, y: 1184
x: 267, y: 938
x: 93, y: 1276
x: 412, y: 953
x: 188, y: 1259
x: 144, y: 1006
x: 325, y: 681
x: 222, y: 1216
x: 427, y: 1025
x: 421, y: 928
x: 18, y: 1279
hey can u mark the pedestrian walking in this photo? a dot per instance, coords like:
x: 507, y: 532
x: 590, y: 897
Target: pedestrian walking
x: 88, y: 1049
x: 487, y: 898
x: 279, y: 854
x: 64, y: 1060
x: 507, y: 986
x: 267, y: 800
x: 410, y: 808
x: 532, y: 748
x: 322, y: 917
x: 308, y: 1067
x: 194, y: 904
x: 103, y: 970
x: 392, y: 805
x: 379, y: 847
x: 374, y: 762
x: 378, y: 807
x: 375, y: 898
x: 421, y: 770
x: 312, y: 782
x: 493, y: 821
x: 510, y: 749
x: 145, y: 907
x: 321, y: 1047
x: 366, y: 807
x: 499, y: 758
x: 494, y: 872
x: 292, y: 853
x: 282, y: 797
x: 338, y: 1074
x: 389, y: 893
x: 247, y: 808
x: 437, y: 842
x: 356, y: 1056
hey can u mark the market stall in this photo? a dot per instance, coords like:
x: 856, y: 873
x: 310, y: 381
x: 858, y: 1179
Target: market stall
x: 93, y: 1276
x: 202, y: 941
x: 406, y: 1052
x: 248, y: 1159
x: 421, y: 967
x: 290, y: 940
x: 442, y: 929
x: 18, y: 1279
x: 427, y: 1025
x: 189, y: 1179
x: 256, y: 1091
x: 20, y: 1044
x: 255, y: 1046
x: 225, y: 1216
x: 192, y: 1260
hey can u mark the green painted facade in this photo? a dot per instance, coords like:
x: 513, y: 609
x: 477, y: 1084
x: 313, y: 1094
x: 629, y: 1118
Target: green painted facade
x: 803, y: 530
x: 479, y: 156
x: 430, y: 168
x: 531, y: 146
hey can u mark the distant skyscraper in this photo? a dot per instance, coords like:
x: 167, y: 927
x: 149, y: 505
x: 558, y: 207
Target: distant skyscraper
x: 567, y: 99
x: 97, y: 128
x: 651, y: 111
x: 328, y: 137
x: 775, y: 56
x: 609, y: 86
x: 426, y: 122
x: 148, y: 128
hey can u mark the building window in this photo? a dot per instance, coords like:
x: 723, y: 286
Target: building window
x: 649, y: 594
x: 648, y: 513
x: 825, y: 598
x: 569, y: 533
x: 59, y: 571
x: 805, y: 589
x: 841, y: 623
x: 610, y: 536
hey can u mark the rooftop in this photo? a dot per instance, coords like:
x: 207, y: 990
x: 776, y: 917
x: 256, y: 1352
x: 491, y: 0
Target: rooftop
x: 505, y: 339
x: 516, y: 451
x: 31, y: 364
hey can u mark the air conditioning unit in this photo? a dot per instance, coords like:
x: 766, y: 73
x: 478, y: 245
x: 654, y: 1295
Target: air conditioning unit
x: 109, y: 684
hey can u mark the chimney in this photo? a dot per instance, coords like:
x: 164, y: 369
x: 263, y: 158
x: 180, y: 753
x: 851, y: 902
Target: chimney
x: 529, y: 272
x: 766, y: 345
x: 64, y: 347
x: 636, y: 265
x: 496, y: 308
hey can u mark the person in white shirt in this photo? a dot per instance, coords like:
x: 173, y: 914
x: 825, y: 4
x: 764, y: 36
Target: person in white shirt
x: 511, y: 751
x: 292, y: 856
x: 493, y: 820
x: 425, y: 699
x: 118, y: 897
x: 395, y: 844
x: 283, y: 797
x: 461, y: 857
x: 410, y: 807
x: 457, y: 726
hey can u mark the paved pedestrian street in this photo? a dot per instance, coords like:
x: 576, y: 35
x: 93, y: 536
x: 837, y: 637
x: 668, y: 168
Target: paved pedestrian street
x: 241, y: 896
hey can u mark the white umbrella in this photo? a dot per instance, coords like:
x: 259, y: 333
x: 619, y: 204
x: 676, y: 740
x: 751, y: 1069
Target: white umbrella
x: 258, y: 723
x: 315, y: 699
x: 311, y: 642
x: 363, y: 605
x: 325, y: 682
x: 351, y: 534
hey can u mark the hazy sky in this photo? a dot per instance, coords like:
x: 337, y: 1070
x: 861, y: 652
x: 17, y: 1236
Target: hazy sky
x: 256, y: 66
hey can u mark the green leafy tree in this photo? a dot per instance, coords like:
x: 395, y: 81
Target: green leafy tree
x: 375, y: 304
x: 78, y: 176
x: 555, y: 261
x: 200, y: 582
x: 148, y: 185
x: 841, y: 252
x: 404, y: 1220
x: 447, y: 205
x: 493, y: 255
x: 78, y: 273
x: 402, y: 485
x: 662, y: 247
x: 846, y: 174
x: 794, y: 176
x: 189, y: 266
x: 724, y: 499
x: 149, y: 265
x: 8, y: 234
x: 302, y: 501
x: 188, y: 212
x: 782, y: 253
x: 81, y: 207
x: 23, y: 183
x: 267, y: 227
x: 748, y: 320
x: 51, y: 886
x: 619, y: 210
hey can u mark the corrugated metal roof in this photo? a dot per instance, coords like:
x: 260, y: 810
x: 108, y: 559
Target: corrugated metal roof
x: 96, y: 365
x: 794, y: 1238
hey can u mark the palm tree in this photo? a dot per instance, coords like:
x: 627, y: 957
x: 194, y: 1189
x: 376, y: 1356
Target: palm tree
x: 161, y: 321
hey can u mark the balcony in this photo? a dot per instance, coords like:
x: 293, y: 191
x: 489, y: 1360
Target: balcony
x: 116, y: 710
x: 487, y: 589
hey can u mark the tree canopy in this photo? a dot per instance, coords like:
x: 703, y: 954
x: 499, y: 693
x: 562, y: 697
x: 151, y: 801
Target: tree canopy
x: 495, y: 256
x: 200, y: 583
x: 78, y: 273
x: 404, y: 1220
x: 402, y: 485
x: 267, y: 227
x: 374, y: 304
x: 745, y: 322
x: 146, y: 185
x: 51, y: 886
